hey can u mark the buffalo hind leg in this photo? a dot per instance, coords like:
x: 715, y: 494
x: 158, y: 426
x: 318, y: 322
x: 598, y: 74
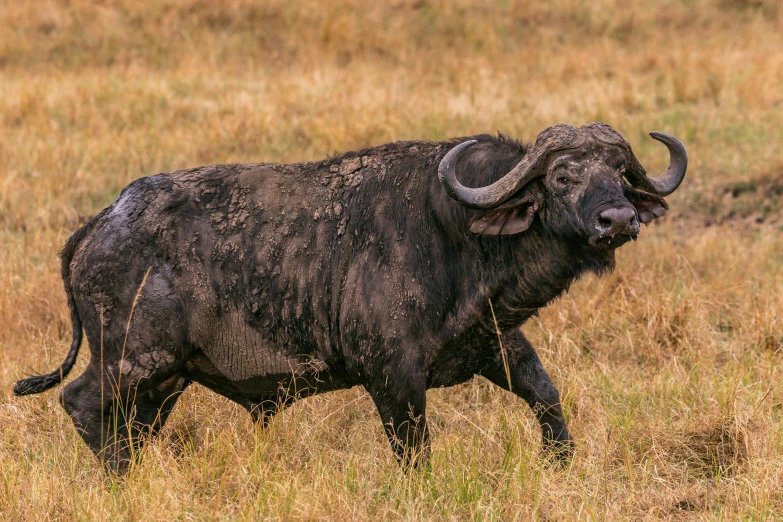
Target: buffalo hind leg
x: 401, y: 402
x: 114, y: 423
x: 152, y: 409
x: 530, y: 381
x: 146, y: 415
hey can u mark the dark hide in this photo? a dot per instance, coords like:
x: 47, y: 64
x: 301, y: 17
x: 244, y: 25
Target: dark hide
x: 268, y: 283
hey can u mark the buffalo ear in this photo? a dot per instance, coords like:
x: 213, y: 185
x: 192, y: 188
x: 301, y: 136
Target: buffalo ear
x: 512, y: 217
x: 649, y: 206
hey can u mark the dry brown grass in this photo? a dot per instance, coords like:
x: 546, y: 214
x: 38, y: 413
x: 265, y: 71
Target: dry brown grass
x: 670, y: 367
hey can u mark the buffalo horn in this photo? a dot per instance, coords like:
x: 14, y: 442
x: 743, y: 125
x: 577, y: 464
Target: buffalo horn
x: 491, y: 195
x: 668, y: 182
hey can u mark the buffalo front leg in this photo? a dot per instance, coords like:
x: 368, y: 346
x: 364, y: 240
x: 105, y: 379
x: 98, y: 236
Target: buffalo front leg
x: 401, y: 402
x: 529, y: 380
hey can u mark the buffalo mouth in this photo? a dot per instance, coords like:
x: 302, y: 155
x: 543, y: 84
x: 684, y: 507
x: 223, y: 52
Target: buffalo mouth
x: 606, y: 242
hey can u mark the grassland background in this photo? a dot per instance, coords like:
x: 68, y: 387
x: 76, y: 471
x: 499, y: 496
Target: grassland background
x: 669, y: 368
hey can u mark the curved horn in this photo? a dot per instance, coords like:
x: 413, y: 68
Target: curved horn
x: 668, y: 182
x: 491, y: 195
x: 664, y: 184
x: 485, y: 197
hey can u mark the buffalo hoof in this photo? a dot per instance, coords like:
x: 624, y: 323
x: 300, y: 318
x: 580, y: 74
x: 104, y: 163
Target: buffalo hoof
x: 559, y: 452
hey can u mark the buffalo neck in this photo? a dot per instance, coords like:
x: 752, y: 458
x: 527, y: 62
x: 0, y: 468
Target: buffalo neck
x: 518, y: 275
x: 531, y: 270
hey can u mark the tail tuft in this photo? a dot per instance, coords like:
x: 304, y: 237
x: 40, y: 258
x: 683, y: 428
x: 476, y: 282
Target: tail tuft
x: 38, y: 383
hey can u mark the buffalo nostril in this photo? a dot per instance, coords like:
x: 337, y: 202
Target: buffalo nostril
x: 604, y: 222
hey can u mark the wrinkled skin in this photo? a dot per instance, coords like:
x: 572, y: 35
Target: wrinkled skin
x: 268, y: 283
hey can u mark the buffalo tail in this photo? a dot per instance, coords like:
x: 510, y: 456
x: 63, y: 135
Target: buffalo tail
x: 41, y: 383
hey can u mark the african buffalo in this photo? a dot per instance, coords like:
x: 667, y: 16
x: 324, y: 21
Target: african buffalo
x: 267, y: 283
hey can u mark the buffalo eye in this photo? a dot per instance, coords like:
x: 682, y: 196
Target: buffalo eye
x: 563, y: 177
x: 619, y: 165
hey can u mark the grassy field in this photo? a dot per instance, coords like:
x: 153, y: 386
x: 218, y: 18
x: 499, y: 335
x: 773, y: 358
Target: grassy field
x: 670, y: 368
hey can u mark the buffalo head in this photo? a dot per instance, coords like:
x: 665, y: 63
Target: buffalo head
x: 589, y: 186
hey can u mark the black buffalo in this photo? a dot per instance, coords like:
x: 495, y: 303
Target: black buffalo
x: 267, y: 283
